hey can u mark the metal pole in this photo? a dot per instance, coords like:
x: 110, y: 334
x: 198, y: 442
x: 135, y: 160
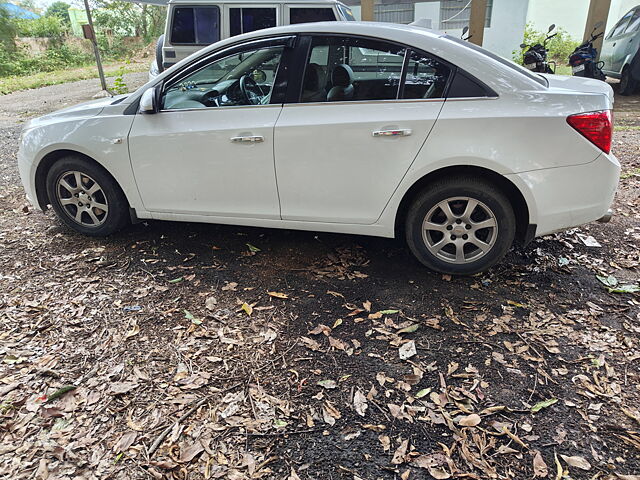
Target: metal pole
x: 367, y: 10
x: 598, y: 11
x: 476, y: 21
x: 96, y: 51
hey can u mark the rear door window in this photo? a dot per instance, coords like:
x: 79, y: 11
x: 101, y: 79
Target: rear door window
x: 426, y: 77
x: 248, y: 19
x: 308, y: 15
x: 195, y: 25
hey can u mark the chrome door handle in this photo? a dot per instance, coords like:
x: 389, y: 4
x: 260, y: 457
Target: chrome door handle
x: 248, y: 139
x: 392, y: 133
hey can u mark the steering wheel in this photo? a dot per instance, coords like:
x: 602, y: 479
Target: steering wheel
x: 248, y: 87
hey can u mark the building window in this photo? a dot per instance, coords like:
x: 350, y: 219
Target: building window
x: 455, y: 14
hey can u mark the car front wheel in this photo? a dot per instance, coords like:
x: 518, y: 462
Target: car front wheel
x: 460, y: 226
x: 628, y: 84
x: 86, y: 198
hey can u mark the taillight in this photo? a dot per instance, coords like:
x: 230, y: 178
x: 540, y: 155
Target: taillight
x: 597, y: 127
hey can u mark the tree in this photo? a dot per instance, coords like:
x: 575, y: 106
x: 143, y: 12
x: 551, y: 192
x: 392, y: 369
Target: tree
x: 60, y: 10
x: 7, y: 30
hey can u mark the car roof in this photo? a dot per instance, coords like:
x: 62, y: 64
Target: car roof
x: 249, y: 2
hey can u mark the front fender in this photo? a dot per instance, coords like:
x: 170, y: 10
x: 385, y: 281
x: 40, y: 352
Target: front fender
x: 101, y: 138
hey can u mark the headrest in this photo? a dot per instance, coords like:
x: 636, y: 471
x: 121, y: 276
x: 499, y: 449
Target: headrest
x: 313, y: 77
x: 342, y: 76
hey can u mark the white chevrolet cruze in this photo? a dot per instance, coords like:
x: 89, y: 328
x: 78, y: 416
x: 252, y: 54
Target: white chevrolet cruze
x: 361, y: 128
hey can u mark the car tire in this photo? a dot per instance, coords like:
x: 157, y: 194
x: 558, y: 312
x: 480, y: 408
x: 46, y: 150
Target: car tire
x: 86, y: 198
x: 628, y: 84
x: 159, y: 60
x: 475, y: 233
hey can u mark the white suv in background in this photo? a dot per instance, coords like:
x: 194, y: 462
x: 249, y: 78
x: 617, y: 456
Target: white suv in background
x: 619, y: 49
x: 194, y: 24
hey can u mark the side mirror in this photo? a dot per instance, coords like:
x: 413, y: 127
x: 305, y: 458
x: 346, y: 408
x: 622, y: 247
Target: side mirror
x: 551, y: 27
x: 464, y: 31
x: 598, y: 25
x: 523, y: 45
x: 148, y: 101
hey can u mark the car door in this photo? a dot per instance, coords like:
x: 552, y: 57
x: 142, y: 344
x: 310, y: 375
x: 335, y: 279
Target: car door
x: 209, y: 150
x: 351, y: 132
x: 614, y: 45
x: 632, y: 37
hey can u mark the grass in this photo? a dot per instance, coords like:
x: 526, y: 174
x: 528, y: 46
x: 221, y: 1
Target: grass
x: 563, y: 70
x: 634, y: 172
x: 623, y: 128
x: 42, y: 79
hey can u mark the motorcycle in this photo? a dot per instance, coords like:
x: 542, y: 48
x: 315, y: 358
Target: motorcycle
x: 465, y: 30
x: 535, y: 58
x: 583, y: 59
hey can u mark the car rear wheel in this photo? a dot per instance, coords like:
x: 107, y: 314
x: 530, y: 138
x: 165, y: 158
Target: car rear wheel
x: 86, y: 198
x: 628, y: 84
x: 460, y: 226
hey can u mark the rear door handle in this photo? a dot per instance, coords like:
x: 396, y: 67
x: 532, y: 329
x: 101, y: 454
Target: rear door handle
x: 405, y: 132
x: 248, y: 139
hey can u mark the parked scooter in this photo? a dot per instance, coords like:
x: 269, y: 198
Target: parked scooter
x: 465, y: 30
x: 535, y: 58
x: 583, y: 59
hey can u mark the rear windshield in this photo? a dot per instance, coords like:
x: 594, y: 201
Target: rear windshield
x: 346, y: 11
x: 507, y: 63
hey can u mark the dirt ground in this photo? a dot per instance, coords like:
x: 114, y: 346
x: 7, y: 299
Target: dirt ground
x: 189, y: 351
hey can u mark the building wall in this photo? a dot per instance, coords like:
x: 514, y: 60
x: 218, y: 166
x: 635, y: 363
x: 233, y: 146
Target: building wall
x: 571, y: 15
x: 507, y: 24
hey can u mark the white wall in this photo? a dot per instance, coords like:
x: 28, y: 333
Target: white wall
x: 429, y: 10
x: 508, y: 19
x: 571, y: 15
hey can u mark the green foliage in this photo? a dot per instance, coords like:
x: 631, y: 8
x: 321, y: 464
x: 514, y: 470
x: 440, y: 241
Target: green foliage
x: 560, y: 46
x: 7, y: 31
x: 122, y: 18
x: 60, y: 10
x: 119, y: 85
x: 19, y: 62
x: 51, y: 27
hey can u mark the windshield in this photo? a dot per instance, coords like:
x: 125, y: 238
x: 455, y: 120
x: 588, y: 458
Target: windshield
x: 508, y: 63
x: 346, y: 12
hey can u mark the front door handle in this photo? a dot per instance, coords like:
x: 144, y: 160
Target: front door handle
x: 392, y: 133
x: 248, y: 139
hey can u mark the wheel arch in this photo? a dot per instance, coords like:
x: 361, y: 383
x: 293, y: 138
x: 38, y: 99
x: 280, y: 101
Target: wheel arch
x: 48, y: 160
x: 513, y: 193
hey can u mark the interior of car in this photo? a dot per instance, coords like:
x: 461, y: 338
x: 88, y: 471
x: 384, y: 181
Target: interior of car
x: 241, y: 79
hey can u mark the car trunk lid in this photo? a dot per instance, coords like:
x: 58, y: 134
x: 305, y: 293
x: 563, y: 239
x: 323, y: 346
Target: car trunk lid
x: 580, y: 84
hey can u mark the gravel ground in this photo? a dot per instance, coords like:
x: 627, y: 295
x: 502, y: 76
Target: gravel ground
x: 190, y: 351
x: 20, y: 106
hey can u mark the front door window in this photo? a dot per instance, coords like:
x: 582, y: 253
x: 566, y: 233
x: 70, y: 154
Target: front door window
x: 245, y: 78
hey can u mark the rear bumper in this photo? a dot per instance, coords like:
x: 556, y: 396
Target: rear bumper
x: 566, y: 197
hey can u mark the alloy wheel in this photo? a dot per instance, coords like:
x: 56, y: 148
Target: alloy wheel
x: 82, y: 199
x: 459, y: 230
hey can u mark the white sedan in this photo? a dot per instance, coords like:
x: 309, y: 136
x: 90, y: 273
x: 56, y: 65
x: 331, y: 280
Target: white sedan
x: 360, y: 128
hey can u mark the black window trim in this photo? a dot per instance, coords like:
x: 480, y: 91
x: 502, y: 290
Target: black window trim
x: 279, y: 84
x: 294, y: 91
x: 195, y: 29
